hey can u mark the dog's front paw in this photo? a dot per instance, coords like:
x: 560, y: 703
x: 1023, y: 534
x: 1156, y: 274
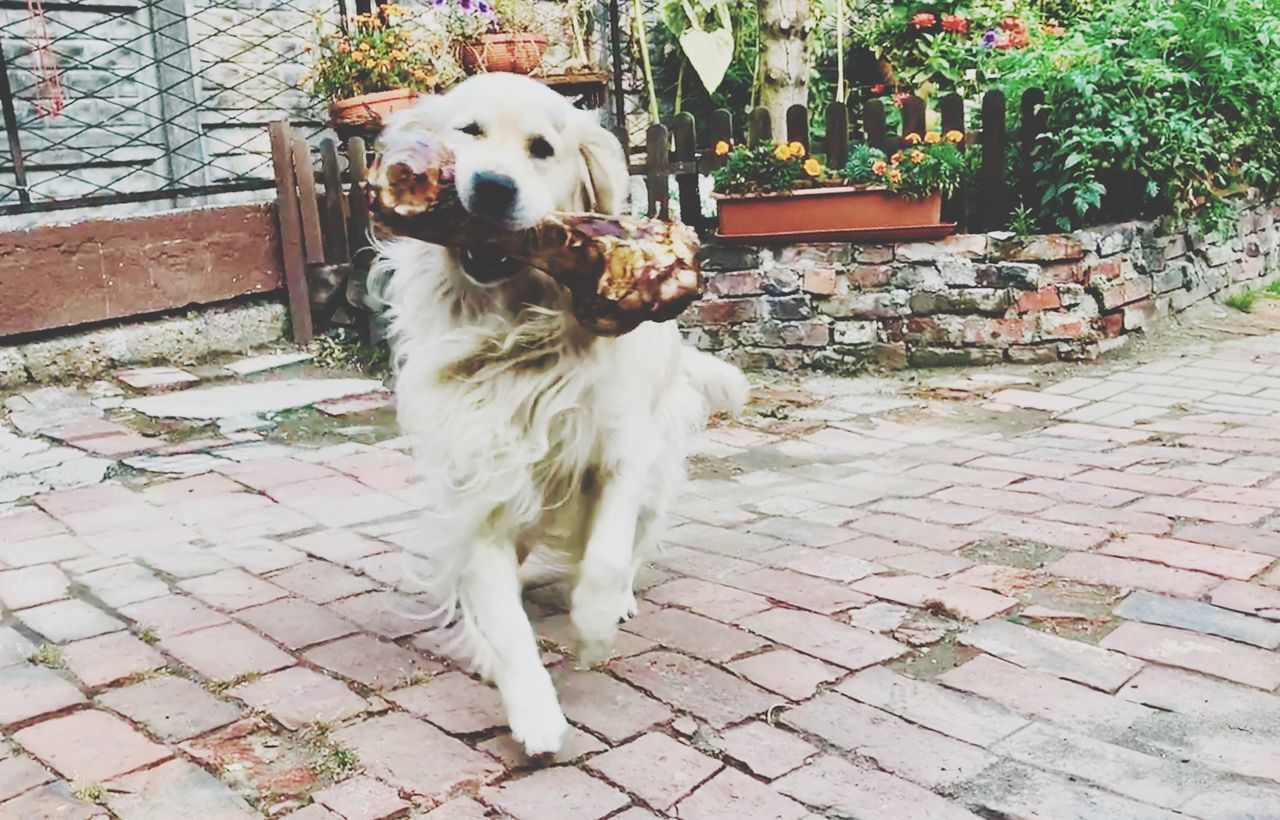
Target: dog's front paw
x: 541, y: 733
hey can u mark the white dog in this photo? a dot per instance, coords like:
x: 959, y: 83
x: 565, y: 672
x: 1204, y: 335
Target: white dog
x: 532, y: 432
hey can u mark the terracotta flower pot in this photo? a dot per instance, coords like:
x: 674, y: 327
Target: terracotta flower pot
x: 519, y: 53
x: 831, y: 215
x: 363, y: 115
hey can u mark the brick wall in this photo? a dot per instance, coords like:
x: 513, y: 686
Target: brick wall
x: 968, y: 299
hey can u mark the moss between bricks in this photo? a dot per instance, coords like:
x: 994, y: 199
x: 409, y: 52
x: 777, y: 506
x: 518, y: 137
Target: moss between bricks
x: 971, y: 299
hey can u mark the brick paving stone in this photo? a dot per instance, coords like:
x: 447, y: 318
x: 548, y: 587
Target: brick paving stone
x: 52, y: 801
x: 1106, y: 570
x: 29, y: 524
x: 513, y: 757
x: 1213, y: 511
x: 14, y: 648
x: 1026, y: 466
x: 928, y: 563
x: 956, y: 474
x: 964, y: 717
x: 259, y: 555
x: 931, y: 509
x: 295, y: 623
x: 361, y: 798
x: 723, y: 603
x: 321, y: 582
x: 1052, y: 655
x: 1199, y: 653
x: 556, y: 792
x: 387, y: 614
x: 994, y: 499
x: 109, y: 658
x: 824, y: 638
x: 787, y: 672
x: 454, y: 702
x: 1117, y: 522
x: 173, y: 615
x: 53, y: 549
x: 1234, y: 801
x: 804, y: 591
x: 720, y: 540
x: 1143, y: 777
x: 606, y: 706
x: 19, y: 774
x: 175, y: 789
x: 798, y: 531
x: 1045, y: 697
x: 1251, y: 599
x: 1214, y: 474
x: 123, y: 584
x: 171, y: 708
x: 232, y: 590
x: 833, y: 785
x: 1053, y: 533
x: 69, y: 620
x: 28, y: 691
x: 461, y: 808
x: 337, y: 546
x: 731, y: 795
x: 225, y: 652
x: 337, y: 501
x: 32, y: 586
x: 297, y: 697
x: 89, y: 746
x: 919, y: 533
x: 1252, y: 539
x: 1141, y: 483
x: 765, y: 750
x: 186, y: 489
x: 694, y: 635
x: 905, y: 750
x: 703, y: 565
x: 656, y: 768
x: 1210, y: 699
x: 1174, y: 552
x: 1076, y: 492
x: 1200, y: 617
x: 961, y: 600
x: 696, y: 687
x: 416, y: 757
x: 367, y: 660
x: 1011, y: 789
x: 265, y: 473
x: 823, y: 563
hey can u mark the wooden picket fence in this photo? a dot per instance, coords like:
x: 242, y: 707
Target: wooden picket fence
x: 683, y: 151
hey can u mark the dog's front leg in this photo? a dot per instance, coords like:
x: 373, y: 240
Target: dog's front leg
x: 602, y: 595
x: 490, y: 598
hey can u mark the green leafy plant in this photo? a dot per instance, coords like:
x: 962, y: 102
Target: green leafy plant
x: 858, y: 168
x: 1243, y: 300
x: 380, y: 51
x: 764, y: 169
x: 925, y: 166
x: 48, y: 654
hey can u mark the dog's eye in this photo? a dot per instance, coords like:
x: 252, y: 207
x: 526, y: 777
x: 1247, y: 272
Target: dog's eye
x: 472, y: 129
x: 539, y: 148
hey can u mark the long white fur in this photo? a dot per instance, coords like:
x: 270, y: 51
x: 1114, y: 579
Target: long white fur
x: 529, y: 431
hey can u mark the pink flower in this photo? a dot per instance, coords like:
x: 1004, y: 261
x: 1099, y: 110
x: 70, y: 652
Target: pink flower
x: 923, y: 19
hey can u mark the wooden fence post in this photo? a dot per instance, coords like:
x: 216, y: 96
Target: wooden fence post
x: 913, y: 116
x: 684, y: 134
x: 337, y: 250
x: 994, y: 211
x: 759, y: 127
x: 837, y: 135
x: 721, y: 130
x: 295, y: 263
x: 798, y: 125
x: 951, y: 107
x: 658, y: 170
x: 874, y: 125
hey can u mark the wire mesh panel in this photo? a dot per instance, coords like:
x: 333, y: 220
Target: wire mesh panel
x: 139, y: 100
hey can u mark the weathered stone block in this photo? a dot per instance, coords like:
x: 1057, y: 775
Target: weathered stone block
x: 888, y: 355
x: 743, y: 283
x: 1062, y: 326
x: 854, y: 333
x: 1139, y: 314
x: 1111, y: 325
x: 958, y: 271
x: 968, y: 300
x: 718, y: 257
x: 811, y: 255
x: 868, y: 277
x: 998, y: 332
x: 866, y: 305
x: 725, y: 311
x: 790, y: 307
x: 1250, y: 267
x: 1173, y: 277
x: 953, y: 356
x: 1033, y: 354
x: 1046, y: 248
x: 1010, y: 275
x: 781, y: 281
x: 973, y: 245
x: 1117, y: 293
x: 814, y: 333
x: 819, y: 281
x: 1037, y: 300
x: 917, y: 277
x: 873, y: 254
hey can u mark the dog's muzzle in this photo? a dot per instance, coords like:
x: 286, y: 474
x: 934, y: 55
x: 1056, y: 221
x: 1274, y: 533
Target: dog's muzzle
x: 487, y: 266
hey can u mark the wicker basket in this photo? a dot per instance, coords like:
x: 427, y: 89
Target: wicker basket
x: 363, y: 115
x: 514, y: 53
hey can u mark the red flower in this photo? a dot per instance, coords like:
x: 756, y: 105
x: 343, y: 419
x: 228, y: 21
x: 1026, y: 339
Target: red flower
x: 1013, y: 24
x: 901, y: 97
x: 1019, y: 39
x: 923, y: 19
x: 878, y: 88
x: 955, y: 23
x: 1054, y: 31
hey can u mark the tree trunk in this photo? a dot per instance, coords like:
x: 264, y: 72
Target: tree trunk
x: 784, y: 32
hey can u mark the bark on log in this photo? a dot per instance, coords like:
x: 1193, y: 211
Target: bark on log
x: 620, y: 271
x: 784, y: 34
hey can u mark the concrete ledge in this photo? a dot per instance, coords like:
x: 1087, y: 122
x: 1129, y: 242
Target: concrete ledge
x: 969, y: 299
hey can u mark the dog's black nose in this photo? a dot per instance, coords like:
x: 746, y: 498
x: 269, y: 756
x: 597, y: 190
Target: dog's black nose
x: 492, y: 195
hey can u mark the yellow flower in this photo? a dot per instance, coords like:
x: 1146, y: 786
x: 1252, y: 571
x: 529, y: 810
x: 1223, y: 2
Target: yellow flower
x: 364, y: 46
x: 932, y: 138
x: 358, y: 58
x: 385, y: 65
x: 396, y: 54
x: 722, y: 148
x: 918, y: 156
x: 894, y: 175
x: 797, y: 149
x: 912, y: 139
x: 896, y: 158
x: 782, y: 152
x: 812, y: 167
x: 954, y: 136
x: 879, y: 167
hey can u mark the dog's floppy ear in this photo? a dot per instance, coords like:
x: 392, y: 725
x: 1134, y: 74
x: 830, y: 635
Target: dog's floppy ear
x: 604, y: 167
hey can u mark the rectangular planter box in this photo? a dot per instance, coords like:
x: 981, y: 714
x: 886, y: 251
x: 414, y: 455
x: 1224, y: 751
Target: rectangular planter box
x: 831, y: 215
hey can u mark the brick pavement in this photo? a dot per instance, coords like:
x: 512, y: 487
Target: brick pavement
x: 1001, y: 599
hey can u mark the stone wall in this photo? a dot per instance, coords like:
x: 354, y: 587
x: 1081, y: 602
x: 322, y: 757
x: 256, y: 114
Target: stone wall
x: 970, y: 298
